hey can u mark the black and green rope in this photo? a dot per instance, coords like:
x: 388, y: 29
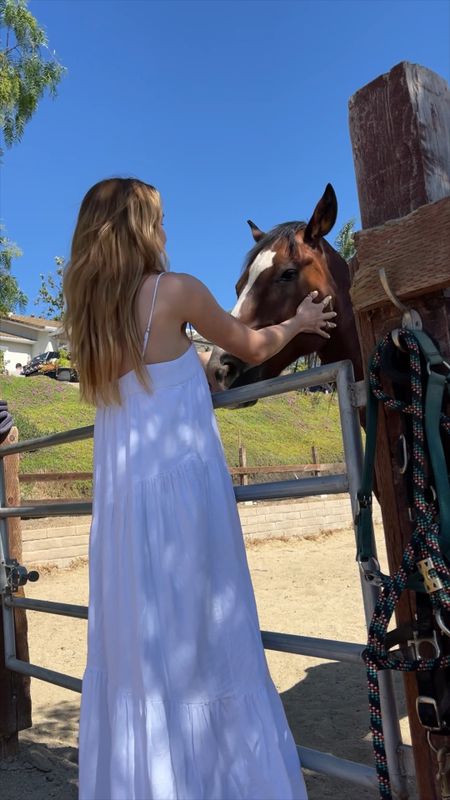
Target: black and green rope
x: 425, y: 542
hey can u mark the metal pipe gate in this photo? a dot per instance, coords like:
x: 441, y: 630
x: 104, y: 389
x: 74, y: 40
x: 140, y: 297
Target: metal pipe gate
x: 341, y: 373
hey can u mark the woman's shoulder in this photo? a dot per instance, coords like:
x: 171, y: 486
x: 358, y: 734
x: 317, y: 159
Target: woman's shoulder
x: 181, y: 282
x: 178, y: 293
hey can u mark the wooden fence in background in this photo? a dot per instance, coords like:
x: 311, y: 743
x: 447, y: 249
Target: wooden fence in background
x: 242, y: 473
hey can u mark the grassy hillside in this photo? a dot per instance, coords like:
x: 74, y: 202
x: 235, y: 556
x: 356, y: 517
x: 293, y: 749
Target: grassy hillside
x: 41, y: 406
x: 278, y: 430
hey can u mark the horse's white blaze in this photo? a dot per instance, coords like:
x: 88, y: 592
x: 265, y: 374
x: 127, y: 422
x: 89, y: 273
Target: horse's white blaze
x: 263, y: 261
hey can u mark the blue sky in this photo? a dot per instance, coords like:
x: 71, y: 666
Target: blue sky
x: 234, y: 109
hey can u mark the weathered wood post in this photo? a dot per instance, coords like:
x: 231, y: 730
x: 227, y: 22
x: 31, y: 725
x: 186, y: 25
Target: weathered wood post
x: 15, y: 700
x: 400, y: 131
x: 243, y: 477
x: 315, y: 458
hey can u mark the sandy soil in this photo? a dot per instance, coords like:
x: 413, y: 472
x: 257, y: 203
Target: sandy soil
x: 310, y: 587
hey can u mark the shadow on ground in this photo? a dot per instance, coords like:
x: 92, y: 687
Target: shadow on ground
x: 41, y: 770
x: 325, y: 716
x: 321, y: 711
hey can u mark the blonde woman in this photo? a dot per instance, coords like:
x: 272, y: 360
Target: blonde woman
x: 177, y: 700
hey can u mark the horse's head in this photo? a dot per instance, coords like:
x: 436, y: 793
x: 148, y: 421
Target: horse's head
x: 286, y: 264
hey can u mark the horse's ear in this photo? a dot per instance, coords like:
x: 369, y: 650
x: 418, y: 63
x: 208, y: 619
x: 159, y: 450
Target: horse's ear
x: 256, y: 232
x: 323, y: 218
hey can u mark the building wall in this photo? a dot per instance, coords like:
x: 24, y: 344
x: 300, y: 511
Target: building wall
x: 14, y: 354
x: 290, y: 518
x: 44, y: 343
x: 20, y: 352
x: 23, y: 353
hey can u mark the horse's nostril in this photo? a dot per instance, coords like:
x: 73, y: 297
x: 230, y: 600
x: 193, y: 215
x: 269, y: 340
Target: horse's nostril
x: 231, y: 370
x: 220, y: 374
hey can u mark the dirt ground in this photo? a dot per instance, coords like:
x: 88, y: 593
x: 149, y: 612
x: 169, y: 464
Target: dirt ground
x: 309, y: 587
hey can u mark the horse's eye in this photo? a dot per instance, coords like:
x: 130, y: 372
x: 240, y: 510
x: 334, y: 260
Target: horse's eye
x: 288, y: 275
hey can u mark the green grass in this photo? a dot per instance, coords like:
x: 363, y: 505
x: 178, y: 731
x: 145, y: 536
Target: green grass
x: 277, y: 430
x: 282, y: 430
x: 41, y: 406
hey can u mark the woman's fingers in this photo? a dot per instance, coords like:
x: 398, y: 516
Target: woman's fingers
x: 316, y: 319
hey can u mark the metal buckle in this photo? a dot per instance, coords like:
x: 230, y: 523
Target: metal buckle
x: 417, y: 640
x: 428, y: 713
x: 443, y: 363
x: 370, y: 569
x: 432, y: 584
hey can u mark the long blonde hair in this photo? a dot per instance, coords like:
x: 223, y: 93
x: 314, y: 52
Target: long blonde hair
x: 116, y: 244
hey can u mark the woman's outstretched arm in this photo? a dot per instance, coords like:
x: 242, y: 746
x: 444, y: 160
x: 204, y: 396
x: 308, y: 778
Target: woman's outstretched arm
x: 196, y: 304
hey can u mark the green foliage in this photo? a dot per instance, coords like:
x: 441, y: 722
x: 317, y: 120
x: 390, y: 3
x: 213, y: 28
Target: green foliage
x: 345, y: 240
x: 11, y: 297
x: 51, y: 292
x: 27, y: 69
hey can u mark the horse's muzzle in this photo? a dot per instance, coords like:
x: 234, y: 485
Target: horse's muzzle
x: 223, y: 370
x: 226, y: 371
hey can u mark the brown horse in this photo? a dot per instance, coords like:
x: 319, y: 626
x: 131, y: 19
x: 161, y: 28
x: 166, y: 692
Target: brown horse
x: 286, y: 264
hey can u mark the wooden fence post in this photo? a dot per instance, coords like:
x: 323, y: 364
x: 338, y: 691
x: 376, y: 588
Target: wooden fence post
x: 243, y: 479
x: 15, y: 699
x: 315, y: 458
x: 400, y: 131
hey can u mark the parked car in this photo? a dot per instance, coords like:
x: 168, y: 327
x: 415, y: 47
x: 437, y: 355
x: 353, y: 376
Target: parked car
x: 32, y: 368
x: 64, y: 369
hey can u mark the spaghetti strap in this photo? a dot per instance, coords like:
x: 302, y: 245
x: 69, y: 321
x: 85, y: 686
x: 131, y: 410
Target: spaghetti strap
x: 150, y: 316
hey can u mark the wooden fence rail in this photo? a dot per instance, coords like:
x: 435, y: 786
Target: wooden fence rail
x: 47, y: 477
x: 35, y: 477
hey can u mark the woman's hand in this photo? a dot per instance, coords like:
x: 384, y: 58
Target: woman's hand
x: 313, y: 317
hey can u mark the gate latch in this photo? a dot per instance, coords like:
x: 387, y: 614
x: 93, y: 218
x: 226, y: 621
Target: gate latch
x: 16, y: 575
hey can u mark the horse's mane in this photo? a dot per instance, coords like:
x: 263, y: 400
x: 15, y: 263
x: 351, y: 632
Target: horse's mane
x: 286, y: 230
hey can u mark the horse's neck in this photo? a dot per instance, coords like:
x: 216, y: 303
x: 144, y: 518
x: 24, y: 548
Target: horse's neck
x: 344, y: 345
x: 331, y: 355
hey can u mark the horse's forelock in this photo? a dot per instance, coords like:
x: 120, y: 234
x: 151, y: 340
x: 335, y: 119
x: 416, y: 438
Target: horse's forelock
x: 285, y: 231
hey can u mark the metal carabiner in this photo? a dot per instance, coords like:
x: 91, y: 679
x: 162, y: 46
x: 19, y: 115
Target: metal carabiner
x: 371, y: 571
x: 440, y: 622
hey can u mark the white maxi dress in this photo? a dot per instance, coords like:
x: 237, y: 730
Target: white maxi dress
x: 177, y: 700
